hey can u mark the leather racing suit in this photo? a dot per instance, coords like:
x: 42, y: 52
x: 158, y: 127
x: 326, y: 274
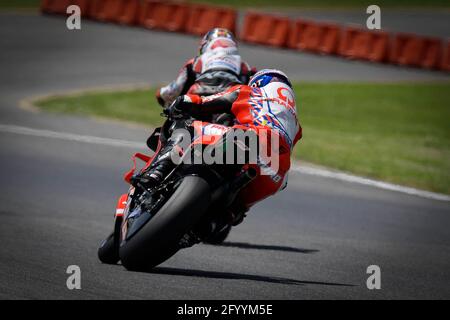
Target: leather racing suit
x: 268, y: 109
x: 214, y: 71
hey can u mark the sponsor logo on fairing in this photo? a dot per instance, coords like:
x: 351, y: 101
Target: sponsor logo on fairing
x: 217, y: 144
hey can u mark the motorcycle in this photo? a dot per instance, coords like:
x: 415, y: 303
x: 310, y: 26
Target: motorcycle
x: 191, y: 205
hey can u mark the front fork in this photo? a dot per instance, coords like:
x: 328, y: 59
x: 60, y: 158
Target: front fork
x: 121, y: 212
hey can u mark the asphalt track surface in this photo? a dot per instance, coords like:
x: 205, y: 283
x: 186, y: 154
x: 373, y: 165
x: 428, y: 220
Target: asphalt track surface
x: 312, y: 241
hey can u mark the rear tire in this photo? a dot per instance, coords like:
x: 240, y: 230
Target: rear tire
x: 158, y: 240
x: 219, y: 237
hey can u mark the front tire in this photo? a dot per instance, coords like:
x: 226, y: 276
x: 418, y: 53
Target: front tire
x: 158, y: 240
x: 108, y: 252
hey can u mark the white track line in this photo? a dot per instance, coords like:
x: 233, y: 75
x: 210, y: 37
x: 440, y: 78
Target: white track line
x: 301, y: 169
x: 369, y: 182
x: 70, y: 137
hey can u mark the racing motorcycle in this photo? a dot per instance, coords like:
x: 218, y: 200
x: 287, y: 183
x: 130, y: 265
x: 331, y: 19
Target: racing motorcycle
x: 191, y: 205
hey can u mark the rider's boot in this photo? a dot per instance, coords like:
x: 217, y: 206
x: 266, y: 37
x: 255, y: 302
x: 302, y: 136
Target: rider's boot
x: 237, y: 212
x: 157, y: 171
x: 161, y: 166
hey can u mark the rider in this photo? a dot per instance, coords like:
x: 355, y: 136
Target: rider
x: 217, y: 67
x: 266, y: 104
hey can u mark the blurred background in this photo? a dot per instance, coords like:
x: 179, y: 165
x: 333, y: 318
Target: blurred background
x: 75, y: 104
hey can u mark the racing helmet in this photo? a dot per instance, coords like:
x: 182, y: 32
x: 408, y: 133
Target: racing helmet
x: 266, y: 76
x: 213, y: 34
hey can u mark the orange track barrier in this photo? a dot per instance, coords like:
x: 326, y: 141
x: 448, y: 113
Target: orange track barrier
x: 406, y: 50
x: 109, y: 10
x: 249, y: 31
x: 260, y: 28
x: 316, y: 37
x: 381, y: 42
x: 84, y: 6
x: 55, y: 6
x: 364, y: 44
x: 279, y: 32
x: 169, y: 16
x: 445, y: 64
x: 330, y: 38
x: 304, y: 35
x: 60, y: 6
x: 432, y: 55
x: 45, y: 6
x: 416, y: 51
x: 265, y: 29
x: 203, y: 18
x: 179, y: 18
x: 95, y: 6
x: 354, y: 43
x: 130, y: 12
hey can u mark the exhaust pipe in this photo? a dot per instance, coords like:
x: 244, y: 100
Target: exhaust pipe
x: 243, y: 180
x: 227, y: 192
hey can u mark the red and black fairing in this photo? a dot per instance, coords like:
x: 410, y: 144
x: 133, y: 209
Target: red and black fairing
x: 215, y: 175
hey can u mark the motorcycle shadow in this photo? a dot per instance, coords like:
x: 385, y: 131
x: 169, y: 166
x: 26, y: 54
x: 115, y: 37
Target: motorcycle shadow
x: 238, y: 276
x: 245, y: 245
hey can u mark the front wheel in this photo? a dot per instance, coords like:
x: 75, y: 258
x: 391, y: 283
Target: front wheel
x: 159, y: 238
x: 108, y: 252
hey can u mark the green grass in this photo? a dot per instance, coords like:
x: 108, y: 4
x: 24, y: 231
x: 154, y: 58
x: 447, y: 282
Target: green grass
x: 397, y: 132
x: 394, y: 132
x: 137, y: 106
x: 19, y: 4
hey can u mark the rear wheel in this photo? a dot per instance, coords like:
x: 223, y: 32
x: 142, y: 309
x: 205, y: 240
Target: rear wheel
x: 218, y: 237
x: 159, y: 238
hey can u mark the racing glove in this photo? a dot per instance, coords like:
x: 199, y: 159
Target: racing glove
x: 180, y: 106
x: 159, y: 98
